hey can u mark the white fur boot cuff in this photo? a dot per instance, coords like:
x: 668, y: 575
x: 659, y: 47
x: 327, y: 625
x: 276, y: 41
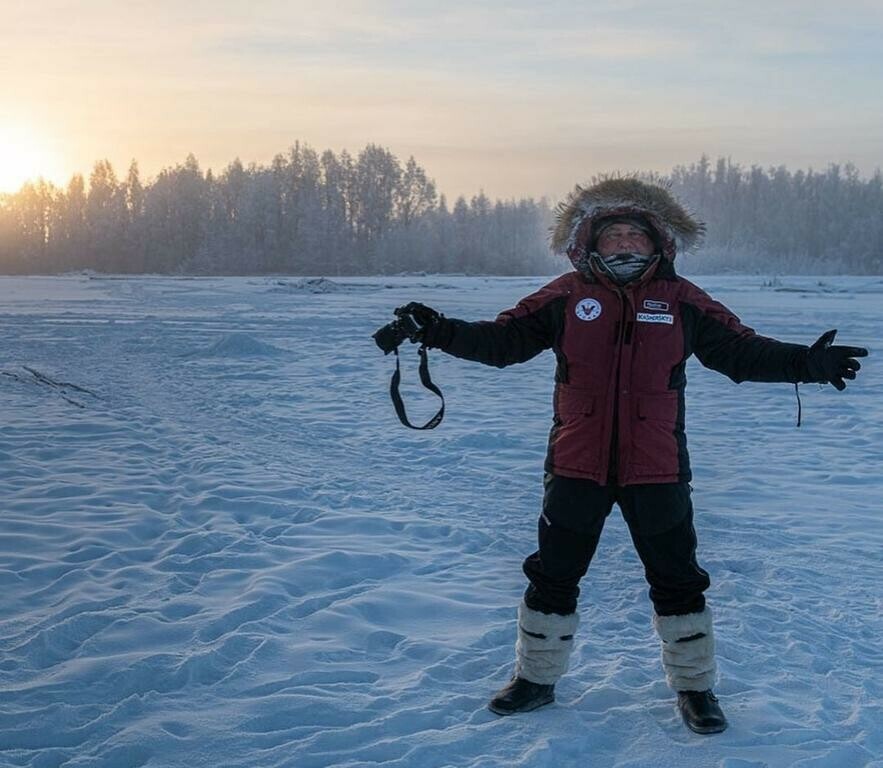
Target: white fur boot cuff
x: 544, y: 643
x: 687, y: 650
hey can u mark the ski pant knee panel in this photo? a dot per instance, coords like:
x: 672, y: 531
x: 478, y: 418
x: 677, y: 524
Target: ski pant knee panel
x: 687, y: 650
x: 545, y: 640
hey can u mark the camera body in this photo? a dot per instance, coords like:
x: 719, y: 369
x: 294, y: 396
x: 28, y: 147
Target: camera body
x: 393, y: 334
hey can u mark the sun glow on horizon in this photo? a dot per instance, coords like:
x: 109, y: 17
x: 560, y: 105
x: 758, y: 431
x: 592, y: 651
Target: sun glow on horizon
x: 24, y: 156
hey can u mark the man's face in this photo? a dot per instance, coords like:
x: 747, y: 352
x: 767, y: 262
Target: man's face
x: 624, y: 238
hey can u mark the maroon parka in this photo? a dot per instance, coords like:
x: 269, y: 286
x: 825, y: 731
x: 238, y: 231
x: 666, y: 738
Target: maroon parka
x: 621, y: 356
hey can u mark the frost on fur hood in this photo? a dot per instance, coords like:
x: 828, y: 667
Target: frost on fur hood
x: 678, y: 228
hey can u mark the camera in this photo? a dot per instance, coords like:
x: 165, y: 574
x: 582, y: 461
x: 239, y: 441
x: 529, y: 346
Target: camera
x: 392, y: 334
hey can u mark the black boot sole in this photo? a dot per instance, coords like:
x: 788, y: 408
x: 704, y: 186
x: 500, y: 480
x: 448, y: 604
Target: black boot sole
x: 704, y: 730
x: 526, y: 708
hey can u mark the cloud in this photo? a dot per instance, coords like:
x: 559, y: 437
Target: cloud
x: 465, y: 81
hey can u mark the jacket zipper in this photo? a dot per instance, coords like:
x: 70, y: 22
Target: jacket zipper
x: 613, y: 450
x: 626, y: 328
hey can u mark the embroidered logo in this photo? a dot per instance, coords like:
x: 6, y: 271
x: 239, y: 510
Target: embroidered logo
x: 659, y: 306
x: 655, y: 317
x: 588, y: 309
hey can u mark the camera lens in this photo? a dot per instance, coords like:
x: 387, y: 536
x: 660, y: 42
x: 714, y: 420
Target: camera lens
x: 390, y: 336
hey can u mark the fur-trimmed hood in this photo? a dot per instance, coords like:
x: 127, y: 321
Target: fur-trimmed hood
x: 678, y: 228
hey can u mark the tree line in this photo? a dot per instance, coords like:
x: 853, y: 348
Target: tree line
x: 334, y: 214
x: 814, y: 222
x: 305, y: 214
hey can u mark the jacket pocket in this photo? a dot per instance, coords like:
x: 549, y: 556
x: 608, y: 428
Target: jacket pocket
x: 576, y: 439
x: 654, y: 434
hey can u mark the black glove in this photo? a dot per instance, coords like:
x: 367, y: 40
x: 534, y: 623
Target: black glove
x: 430, y: 327
x: 827, y: 364
x: 423, y: 316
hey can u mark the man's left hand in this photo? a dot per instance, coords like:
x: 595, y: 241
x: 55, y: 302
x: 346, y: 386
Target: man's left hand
x: 832, y: 364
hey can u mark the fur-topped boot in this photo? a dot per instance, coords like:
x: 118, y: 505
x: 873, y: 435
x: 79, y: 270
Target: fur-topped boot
x: 688, y: 659
x: 542, y: 652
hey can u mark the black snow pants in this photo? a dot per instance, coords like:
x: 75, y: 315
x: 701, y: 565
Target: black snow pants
x: 660, y: 520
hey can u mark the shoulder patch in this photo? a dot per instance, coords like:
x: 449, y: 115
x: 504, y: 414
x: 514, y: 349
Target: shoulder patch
x: 588, y: 309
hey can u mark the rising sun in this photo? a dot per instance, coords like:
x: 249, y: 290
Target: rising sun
x: 24, y: 156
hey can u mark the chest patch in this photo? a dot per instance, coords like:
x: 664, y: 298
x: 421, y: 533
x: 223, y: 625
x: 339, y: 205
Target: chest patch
x: 588, y: 309
x: 658, y: 306
x: 655, y: 317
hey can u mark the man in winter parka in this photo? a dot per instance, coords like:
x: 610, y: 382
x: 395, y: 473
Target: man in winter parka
x: 622, y: 326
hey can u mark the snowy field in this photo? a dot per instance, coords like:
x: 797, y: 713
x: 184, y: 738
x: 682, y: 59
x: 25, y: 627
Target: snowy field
x: 218, y: 546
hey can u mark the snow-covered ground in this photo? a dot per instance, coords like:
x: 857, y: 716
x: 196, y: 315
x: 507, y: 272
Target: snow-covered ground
x: 218, y: 547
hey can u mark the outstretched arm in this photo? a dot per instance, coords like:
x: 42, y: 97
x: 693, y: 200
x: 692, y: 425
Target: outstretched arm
x: 722, y: 343
x: 517, y: 335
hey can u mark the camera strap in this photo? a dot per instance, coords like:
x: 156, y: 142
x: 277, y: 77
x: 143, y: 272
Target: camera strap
x: 426, y: 381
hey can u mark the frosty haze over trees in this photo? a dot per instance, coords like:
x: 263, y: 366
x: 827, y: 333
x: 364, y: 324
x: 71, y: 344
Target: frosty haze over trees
x: 333, y: 214
x: 305, y: 214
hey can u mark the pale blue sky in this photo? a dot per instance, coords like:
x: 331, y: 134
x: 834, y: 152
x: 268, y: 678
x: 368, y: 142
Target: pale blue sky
x: 516, y: 98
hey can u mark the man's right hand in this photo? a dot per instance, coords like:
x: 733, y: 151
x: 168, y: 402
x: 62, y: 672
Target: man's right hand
x: 826, y: 363
x: 431, y: 326
x: 423, y: 317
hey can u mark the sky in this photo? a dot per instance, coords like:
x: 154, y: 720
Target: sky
x: 513, y: 98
